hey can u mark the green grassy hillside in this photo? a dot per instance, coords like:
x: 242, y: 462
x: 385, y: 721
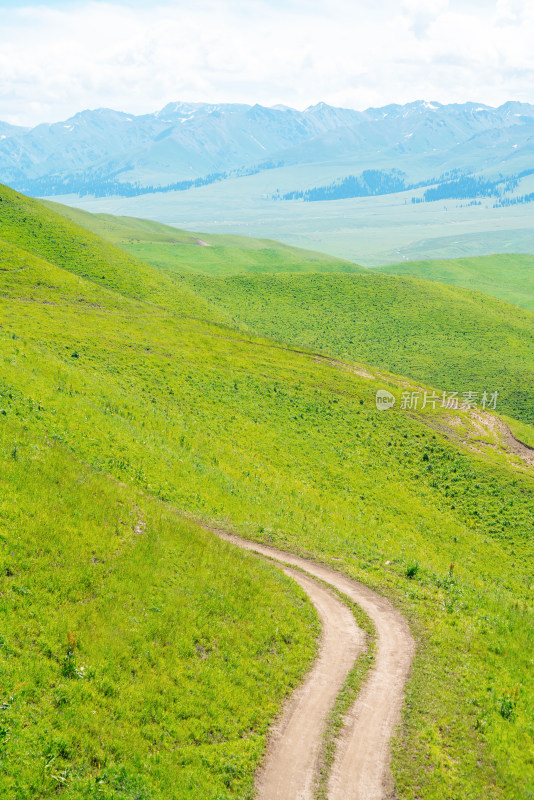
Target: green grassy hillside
x: 509, y: 277
x: 174, y: 249
x: 121, y: 419
x: 36, y: 230
x: 451, y: 338
x: 456, y: 340
x: 136, y: 651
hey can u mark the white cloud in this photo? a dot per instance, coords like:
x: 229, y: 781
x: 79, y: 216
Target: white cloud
x: 511, y: 12
x: 423, y: 14
x: 56, y: 59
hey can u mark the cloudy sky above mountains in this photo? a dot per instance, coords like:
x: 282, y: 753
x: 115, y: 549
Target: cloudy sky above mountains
x: 57, y: 58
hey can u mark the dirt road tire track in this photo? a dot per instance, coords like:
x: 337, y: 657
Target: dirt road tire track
x: 361, y: 769
x: 292, y: 763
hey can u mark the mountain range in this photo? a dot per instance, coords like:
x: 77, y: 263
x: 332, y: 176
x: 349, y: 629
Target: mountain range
x: 186, y: 144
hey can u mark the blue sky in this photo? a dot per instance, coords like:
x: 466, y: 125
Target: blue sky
x: 57, y: 58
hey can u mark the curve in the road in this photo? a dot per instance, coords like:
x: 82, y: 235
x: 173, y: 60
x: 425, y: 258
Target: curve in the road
x: 292, y: 763
x: 361, y: 768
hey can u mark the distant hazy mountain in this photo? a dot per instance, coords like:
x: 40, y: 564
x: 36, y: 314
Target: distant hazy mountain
x: 182, y: 141
x: 105, y: 151
x: 7, y: 130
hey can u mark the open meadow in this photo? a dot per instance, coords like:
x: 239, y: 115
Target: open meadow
x: 142, y: 657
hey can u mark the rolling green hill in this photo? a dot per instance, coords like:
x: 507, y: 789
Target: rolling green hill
x: 146, y: 645
x: 452, y: 338
x: 125, y: 420
x: 170, y: 248
x: 509, y: 277
x: 41, y: 232
x: 456, y: 340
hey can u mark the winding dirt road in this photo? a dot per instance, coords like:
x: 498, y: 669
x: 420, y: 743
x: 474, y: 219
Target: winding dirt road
x: 361, y: 769
x: 293, y: 757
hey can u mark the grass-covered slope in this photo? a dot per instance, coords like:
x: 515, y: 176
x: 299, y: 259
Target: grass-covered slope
x: 37, y: 230
x: 509, y: 277
x: 119, y: 416
x: 174, y: 249
x: 136, y: 651
x: 454, y: 339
